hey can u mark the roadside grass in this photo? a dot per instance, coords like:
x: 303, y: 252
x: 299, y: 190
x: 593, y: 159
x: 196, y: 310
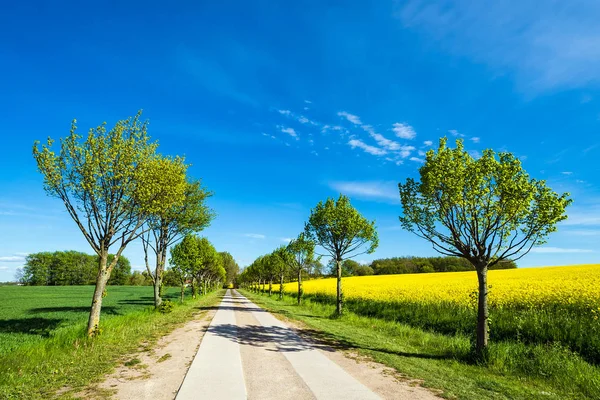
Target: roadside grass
x: 442, y: 361
x: 63, y: 359
x: 30, y: 314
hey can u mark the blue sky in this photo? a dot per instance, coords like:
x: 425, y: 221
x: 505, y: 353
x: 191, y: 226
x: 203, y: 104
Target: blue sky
x: 279, y: 105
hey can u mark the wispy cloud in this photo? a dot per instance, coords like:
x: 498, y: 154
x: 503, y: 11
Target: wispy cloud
x: 559, y: 250
x: 404, y: 131
x: 475, y: 139
x: 284, y: 112
x: 350, y: 117
x: 254, y: 235
x: 376, y: 151
x: 380, y: 139
x: 381, y: 190
x: 545, y: 45
x: 417, y: 159
x: 289, y: 131
x: 428, y: 143
x: 567, y: 173
x: 15, y: 258
x: 286, y: 240
x: 455, y: 133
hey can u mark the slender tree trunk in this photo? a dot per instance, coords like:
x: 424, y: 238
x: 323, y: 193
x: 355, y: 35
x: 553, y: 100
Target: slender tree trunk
x: 281, y: 287
x: 270, y: 287
x: 158, y: 278
x: 182, y: 291
x: 339, y: 302
x: 299, y: 286
x: 101, y: 279
x: 193, y: 288
x: 482, y: 312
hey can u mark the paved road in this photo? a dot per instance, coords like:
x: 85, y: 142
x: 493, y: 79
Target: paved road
x: 247, y: 353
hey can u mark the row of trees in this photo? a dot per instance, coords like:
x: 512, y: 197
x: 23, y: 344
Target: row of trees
x: 486, y: 211
x: 195, y: 260
x: 118, y: 188
x: 62, y: 268
x: 413, y: 265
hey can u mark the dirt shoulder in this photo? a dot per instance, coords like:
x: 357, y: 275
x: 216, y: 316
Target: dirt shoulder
x: 155, y: 372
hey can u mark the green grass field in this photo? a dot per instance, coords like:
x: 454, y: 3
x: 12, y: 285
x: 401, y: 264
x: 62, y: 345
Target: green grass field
x: 43, y: 346
x: 31, y: 314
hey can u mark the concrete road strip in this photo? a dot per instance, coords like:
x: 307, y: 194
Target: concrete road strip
x: 216, y: 372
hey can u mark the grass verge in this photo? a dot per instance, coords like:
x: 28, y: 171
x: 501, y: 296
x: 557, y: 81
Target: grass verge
x: 514, y: 371
x: 69, y: 359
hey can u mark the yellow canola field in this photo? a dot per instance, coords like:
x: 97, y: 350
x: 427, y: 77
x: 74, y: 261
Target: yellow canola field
x: 526, y: 288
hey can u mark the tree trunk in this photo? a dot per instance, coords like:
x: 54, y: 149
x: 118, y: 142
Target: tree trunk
x: 299, y: 286
x: 270, y: 287
x: 158, y: 278
x: 339, y: 305
x: 182, y: 291
x: 101, y: 279
x: 281, y: 287
x: 482, y: 312
x: 193, y: 288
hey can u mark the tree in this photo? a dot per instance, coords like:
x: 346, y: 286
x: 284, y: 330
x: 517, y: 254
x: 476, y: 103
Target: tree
x: 183, y: 256
x: 171, y: 224
x: 485, y: 210
x: 302, y: 253
x: 19, y: 276
x: 282, y: 261
x: 109, y: 186
x: 339, y: 228
x: 231, y: 267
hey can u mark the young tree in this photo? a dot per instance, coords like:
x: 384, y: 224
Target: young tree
x: 109, y: 185
x: 231, y: 267
x: 170, y: 225
x: 183, y: 256
x: 485, y: 210
x: 302, y: 253
x: 339, y: 228
x: 282, y: 261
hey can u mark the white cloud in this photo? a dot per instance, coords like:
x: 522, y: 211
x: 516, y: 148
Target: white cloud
x: 303, y: 120
x: 380, y: 139
x: 584, y: 232
x: 376, y: 151
x: 286, y: 240
x: 12, y: 259
x: 545, y: 45
x: 404, y: 131
x: 350, y: 117
x: 284, y: 112
x: 289, y: 131
x: 308, y: 101
x: 559, y: 250
x: 406, y: 151
x: 416, y: 159
x: 475, y: 139
x: 428, y: 143
x: 3, y: 268
x: 567, y: 173
x: 383, y: 190
x: 255, y: 235
x: 454, y: 132
x: 421, y: 153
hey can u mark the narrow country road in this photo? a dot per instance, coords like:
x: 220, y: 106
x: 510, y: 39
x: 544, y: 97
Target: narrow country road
x: 247, y: 353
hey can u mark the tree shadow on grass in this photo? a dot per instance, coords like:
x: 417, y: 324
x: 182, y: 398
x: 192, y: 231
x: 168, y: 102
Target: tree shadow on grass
x: 107, y: 310
x: 31, y: 326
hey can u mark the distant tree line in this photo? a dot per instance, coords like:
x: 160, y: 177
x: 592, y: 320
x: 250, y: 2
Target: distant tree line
x: 62, y: 268
x: 413, y: 265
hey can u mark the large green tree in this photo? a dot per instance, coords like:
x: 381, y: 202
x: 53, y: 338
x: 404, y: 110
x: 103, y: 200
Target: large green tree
x: 485, y: 210
x: 343, y: 232
x: 168, y: 226
x: 302, y: 251
x: 109, y: 184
